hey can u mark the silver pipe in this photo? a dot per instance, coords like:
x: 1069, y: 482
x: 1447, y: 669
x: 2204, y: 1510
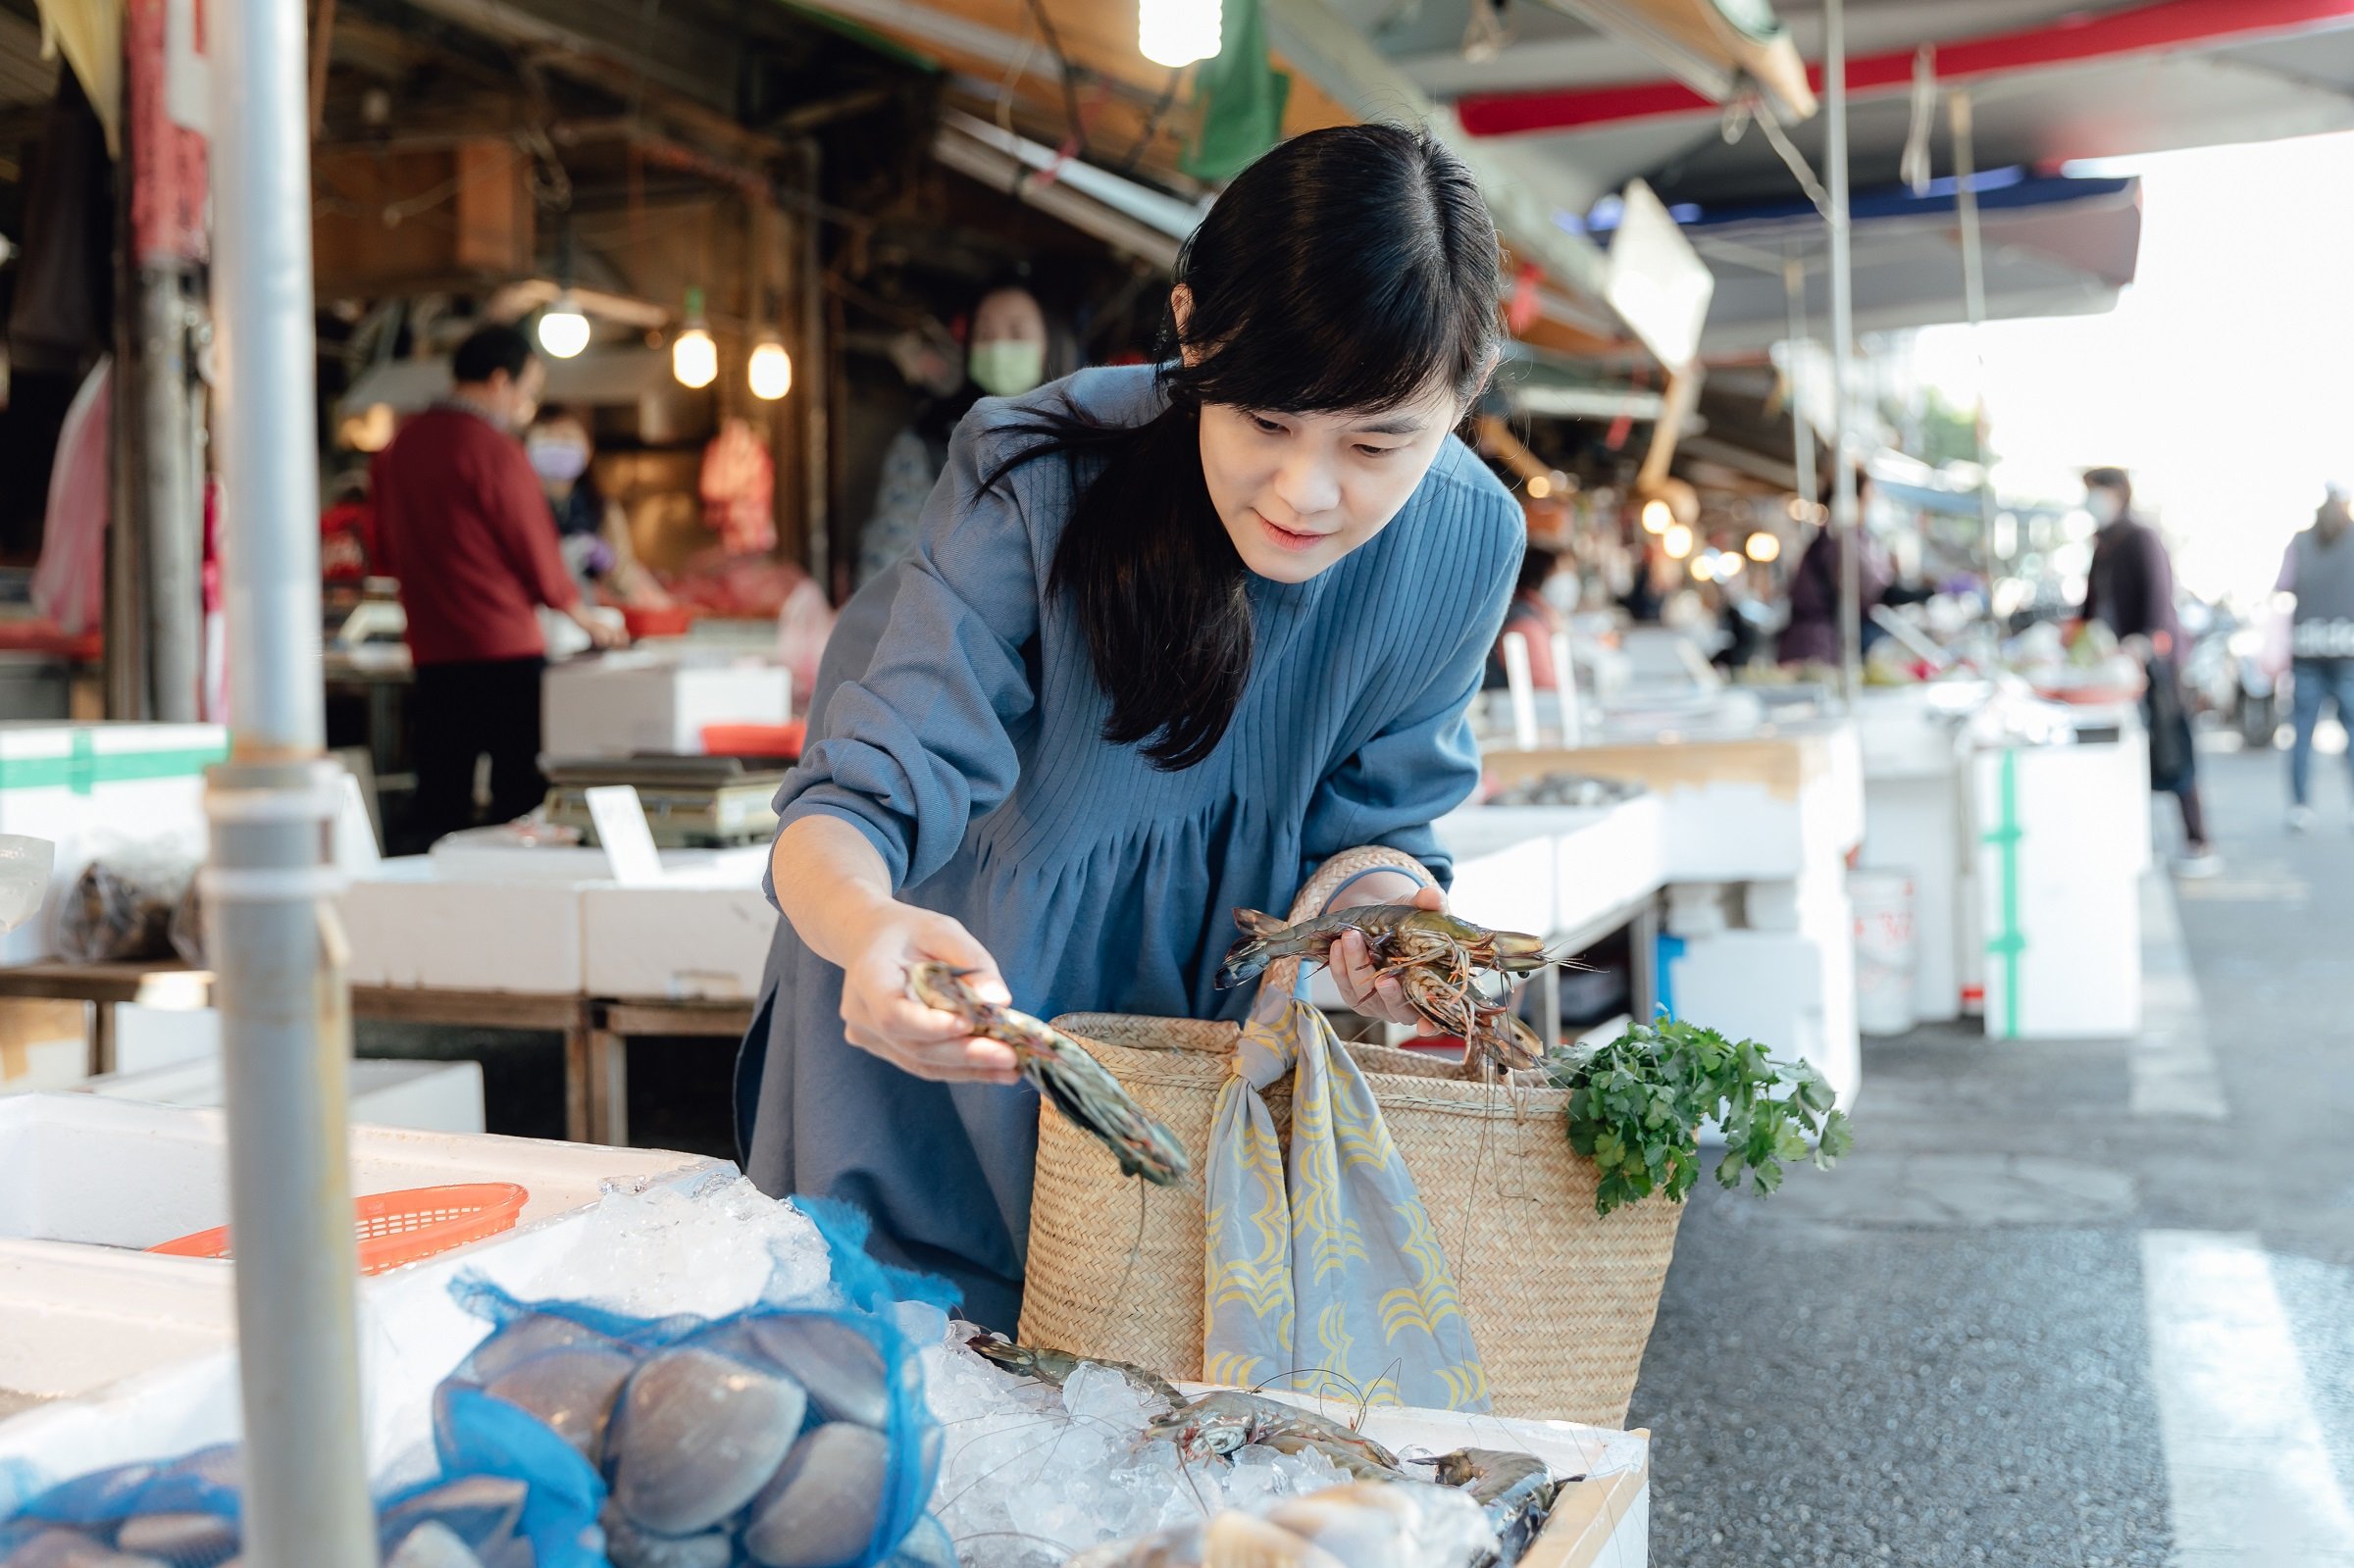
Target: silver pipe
x: 1802, y: 433
x: 284, y: 1010
x: 1843, y: 332
x: 1973, y: 304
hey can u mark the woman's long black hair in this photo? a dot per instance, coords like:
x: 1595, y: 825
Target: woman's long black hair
x: 1349, y: 270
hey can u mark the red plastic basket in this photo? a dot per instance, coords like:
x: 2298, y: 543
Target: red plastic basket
x: 657, y: 621
x: 397, y: 1228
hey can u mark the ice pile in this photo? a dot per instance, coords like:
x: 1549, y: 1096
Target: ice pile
x: 710, y: 1249
x: 1028, y: 1476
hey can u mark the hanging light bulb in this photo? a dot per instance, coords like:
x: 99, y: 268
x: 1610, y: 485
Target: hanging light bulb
x: 771, y: 368
x: 1657, y: 515
x: 563, y: 329
x: 1764, y: 547
x: 1177, y: 33
x: 694, y: 357
x: 1677, y: 542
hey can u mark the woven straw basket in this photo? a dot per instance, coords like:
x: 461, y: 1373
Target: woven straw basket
x: 1561, y: 1301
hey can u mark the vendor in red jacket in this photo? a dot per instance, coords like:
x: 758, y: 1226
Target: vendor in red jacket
x: 463, y: 524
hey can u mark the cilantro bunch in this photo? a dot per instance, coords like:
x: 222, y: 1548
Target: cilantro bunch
x: 1636, y: 1105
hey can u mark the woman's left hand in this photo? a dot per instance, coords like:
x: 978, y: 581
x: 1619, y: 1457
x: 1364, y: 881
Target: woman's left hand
x: 1362, y: 986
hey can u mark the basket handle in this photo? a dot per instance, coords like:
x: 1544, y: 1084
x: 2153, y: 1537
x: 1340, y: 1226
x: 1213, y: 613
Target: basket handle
x: 1283, y: 975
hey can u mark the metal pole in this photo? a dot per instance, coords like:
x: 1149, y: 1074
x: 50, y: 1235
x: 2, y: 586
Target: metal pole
x: 817, y: 364
x: 1843, y: 332
x: 170, y: 501
x: 127, y: 588
x: 1973, y: 304
x: 1802, y: 433
x: 284, y: 1009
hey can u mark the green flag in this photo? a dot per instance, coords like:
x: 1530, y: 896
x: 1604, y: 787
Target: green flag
x: 1238, y: 99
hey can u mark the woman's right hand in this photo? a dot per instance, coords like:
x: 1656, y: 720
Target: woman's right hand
x: 879, y: 1014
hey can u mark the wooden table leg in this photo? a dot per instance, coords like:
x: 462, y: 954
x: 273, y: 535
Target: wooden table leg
x: 609, y: 1097
x: 1645, y: 933
x: 579, y: 1078
x: 102, y: 1037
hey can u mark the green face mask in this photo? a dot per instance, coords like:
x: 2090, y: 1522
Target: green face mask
x: 1007, y: 368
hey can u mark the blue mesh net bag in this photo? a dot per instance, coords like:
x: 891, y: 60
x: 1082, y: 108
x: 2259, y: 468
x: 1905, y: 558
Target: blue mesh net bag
x: 775, y: 1438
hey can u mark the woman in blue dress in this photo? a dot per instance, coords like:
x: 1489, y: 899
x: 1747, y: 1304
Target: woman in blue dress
x: 1171, y: 637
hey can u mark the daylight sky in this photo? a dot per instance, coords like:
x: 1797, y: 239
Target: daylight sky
x: 2224, y: 378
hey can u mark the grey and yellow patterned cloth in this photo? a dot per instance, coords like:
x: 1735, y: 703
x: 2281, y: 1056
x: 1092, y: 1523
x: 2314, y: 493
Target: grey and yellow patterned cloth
x: 1325, y: 1272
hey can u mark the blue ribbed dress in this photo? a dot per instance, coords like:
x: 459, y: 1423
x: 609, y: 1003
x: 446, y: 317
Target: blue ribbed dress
x: 958, y: 724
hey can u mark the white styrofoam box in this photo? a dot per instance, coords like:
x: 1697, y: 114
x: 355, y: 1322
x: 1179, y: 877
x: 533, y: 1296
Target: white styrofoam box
x: 1915, y: 823
x: 1792, y: 994
x: 151, y: 1036
x: 117, y: 1172
x: 1697, y: 909
x: 80, y: 1318
x: 1505, y: 867
x: 430, y: 1096
x: 1604, y: 859
x: 1915, y: 732
x: 625, y: 703
x: 33, y: 1066
x: 1601, y: 1521
x: 642, y: 1247
x: 408, y: 927
x: 498, y: 854
x: 1770, y: 905
x: 701, y: 937
x: 2059, y: 863
x: 1762, y: 807
x: 1611, y: 858
x: 80, y: 786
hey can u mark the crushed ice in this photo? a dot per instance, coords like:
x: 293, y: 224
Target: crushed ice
x: 1028, y: 1476
x: 710, y: 1249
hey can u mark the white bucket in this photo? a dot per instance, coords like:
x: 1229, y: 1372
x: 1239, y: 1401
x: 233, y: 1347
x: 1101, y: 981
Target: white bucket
x: 1884, y: 950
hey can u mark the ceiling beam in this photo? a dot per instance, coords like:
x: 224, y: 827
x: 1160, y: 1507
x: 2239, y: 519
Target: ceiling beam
x: 2078, y: 39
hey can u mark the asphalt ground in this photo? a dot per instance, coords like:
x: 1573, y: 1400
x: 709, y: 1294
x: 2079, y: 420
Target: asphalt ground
x: 2065, y: 1305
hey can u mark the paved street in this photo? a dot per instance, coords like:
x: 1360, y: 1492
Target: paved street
x: 2067, y: 1305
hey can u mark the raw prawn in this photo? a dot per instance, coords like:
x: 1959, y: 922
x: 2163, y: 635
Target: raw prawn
x: 1061, y: 1068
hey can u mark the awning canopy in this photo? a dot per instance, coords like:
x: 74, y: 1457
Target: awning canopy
x: 2054, y: 246
x: 2051, y: 80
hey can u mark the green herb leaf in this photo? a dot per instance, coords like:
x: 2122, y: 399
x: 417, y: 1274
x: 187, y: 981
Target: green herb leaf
x: 1636, y: 1106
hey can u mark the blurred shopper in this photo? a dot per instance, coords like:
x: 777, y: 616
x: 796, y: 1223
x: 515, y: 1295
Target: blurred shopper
x: 2131, y: 590
x: 1812, y: 635
x: 2319, y: 571
x: 1646, y: 595
x: 463, y: 524
x: 347, y: 548
x: 1013, y: 345
x: 1741, y: 624
x: 1532, y: 615
x: 592, y: 528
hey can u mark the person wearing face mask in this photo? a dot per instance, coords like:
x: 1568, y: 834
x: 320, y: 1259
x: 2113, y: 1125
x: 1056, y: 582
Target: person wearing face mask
x: 1171, y: 637
x: 1533, y: 616
x: 1013, y: 346
x: 462, y: 521
x: 2130, y: 588
x: 592, y: 531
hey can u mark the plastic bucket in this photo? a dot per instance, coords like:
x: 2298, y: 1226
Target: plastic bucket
x: 1884, y: 950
